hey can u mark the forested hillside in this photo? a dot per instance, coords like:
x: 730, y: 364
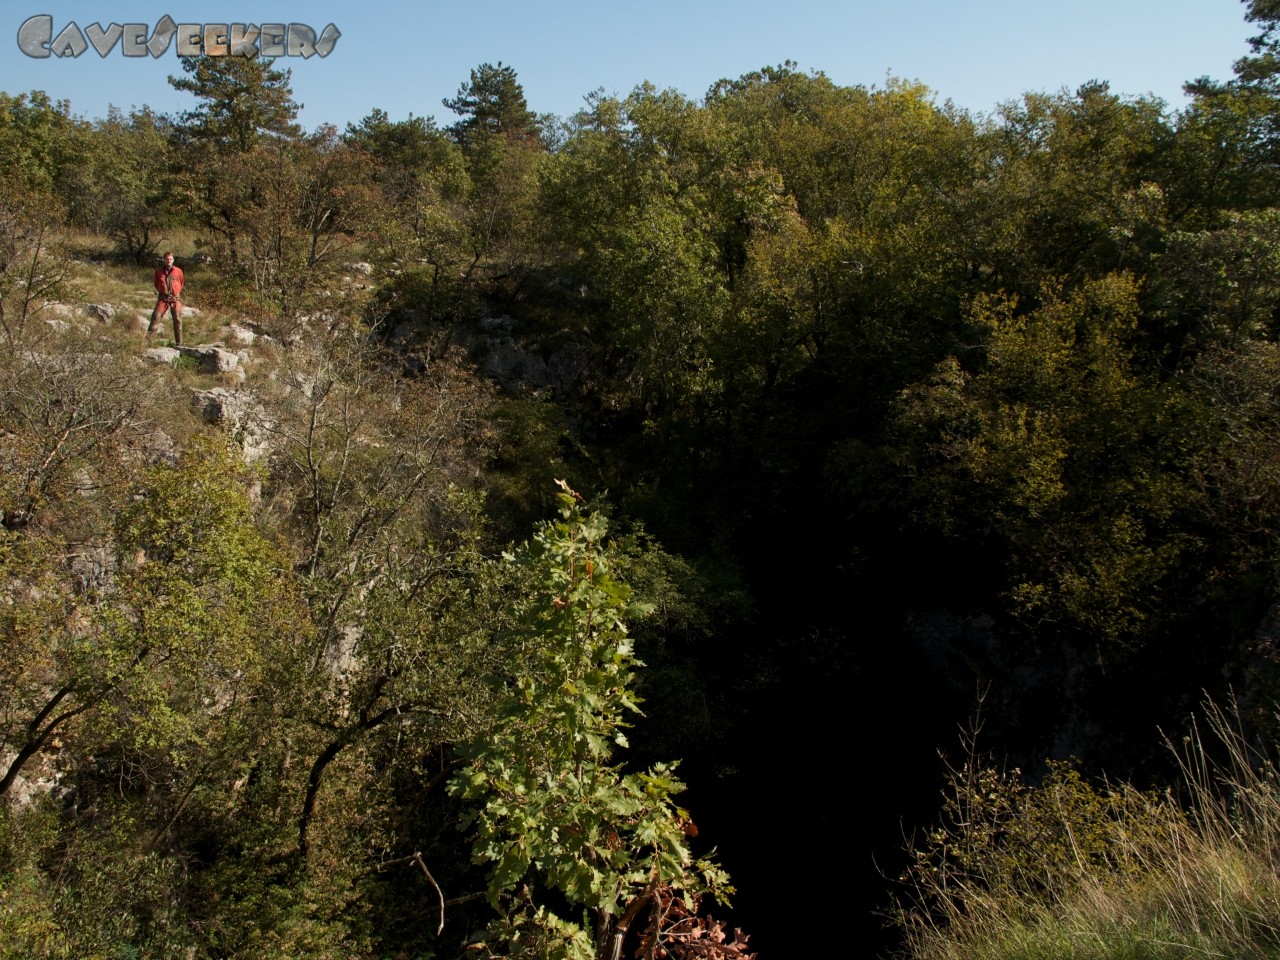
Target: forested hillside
x: 509, y: 460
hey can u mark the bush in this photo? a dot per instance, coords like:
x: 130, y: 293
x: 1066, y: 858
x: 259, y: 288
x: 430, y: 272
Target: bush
x: 1069, y: 868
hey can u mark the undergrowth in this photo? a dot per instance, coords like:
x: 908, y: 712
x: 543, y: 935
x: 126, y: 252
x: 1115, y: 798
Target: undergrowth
x: 1097, y: 871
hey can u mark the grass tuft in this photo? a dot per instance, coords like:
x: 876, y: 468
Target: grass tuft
x: 1070, y: 870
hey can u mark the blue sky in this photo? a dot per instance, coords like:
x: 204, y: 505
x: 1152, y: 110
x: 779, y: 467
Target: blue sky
x: 976, y: 53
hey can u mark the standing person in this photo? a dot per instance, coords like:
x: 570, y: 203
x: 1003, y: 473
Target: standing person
x: 168, y: 283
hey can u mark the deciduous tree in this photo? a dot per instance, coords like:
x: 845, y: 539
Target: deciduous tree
x: 555, y: 810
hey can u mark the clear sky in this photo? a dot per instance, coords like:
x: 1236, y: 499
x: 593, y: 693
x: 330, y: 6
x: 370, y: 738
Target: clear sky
x: 405, y: 58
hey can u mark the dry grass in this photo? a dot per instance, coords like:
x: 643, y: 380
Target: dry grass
x: 95, y: 274
x: 1143, y: 876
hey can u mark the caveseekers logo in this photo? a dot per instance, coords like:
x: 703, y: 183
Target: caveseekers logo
x: 37, y: 39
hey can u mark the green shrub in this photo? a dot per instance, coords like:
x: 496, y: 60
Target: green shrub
x: 1071, y: 869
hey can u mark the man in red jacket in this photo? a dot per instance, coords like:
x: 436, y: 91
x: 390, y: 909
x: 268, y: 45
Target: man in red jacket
x: 168, y: 283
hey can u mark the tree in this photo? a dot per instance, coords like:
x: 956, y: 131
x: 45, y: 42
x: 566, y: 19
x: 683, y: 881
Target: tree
x: 387, y: 542
x: 243, y: 101
x: 121, y: 185
x: 145, y: 687
x: 223, y: 146
x: 424, y: 185
x: 35, y: 138
x: 554, y: 809
x: 1232, y: 128
x: 627, y: 191
x: 32, y: 272
x: 410, y: 155
x: 498, y: 137
x: 314, y: 200
x: 160, y: 658
x: 492, y: 104
x: 1078, y: 192
x: 1065, y: 450
x: 311, y: 198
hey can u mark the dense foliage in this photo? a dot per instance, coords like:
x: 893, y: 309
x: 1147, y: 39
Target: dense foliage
x: 892, y: 402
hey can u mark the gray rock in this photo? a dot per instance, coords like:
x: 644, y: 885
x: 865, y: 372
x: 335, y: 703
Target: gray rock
x: 503, y: 324
x: 212, y: 358
x: 92, y: 568
x: 340, y: 654
x: 567, y: 367
x: 514, y: 369
x: 218, y: 405
x: 29, y: 787
x: 158, y: 447
x: 103, y: 312
x: 303, y: 383
x: 241, y: 336
x: 162, y: 354
x: 238, y: 412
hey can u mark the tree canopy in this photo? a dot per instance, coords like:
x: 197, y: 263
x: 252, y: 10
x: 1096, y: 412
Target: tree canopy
x: 858, y: 403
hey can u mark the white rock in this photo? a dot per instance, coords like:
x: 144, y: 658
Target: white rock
x: 162, y: 354
x: 241, y: 336
x: 212, y: 358
x: 239, y: 412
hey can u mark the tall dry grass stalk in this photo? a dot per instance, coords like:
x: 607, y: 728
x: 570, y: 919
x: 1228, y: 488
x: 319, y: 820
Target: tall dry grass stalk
x: 1072, y: 869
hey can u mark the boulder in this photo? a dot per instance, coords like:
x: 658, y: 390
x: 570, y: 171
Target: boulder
x: 162, y: 354
x: 503, y: 324
x: 240, y: 335
x: 568, y: 367
x: 513, y: 368
x: 159, y: 447
x: 29, y: 787
x: 92, y: 568
x: 240, y: 413
x: 212, y: 358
